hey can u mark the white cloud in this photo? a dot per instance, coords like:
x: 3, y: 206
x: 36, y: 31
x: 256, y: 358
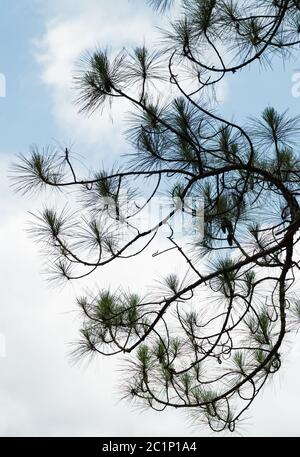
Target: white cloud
x: 41, y: 393
x: 81, y: 26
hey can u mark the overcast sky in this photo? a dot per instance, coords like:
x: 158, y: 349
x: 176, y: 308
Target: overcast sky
x: 41, y: 392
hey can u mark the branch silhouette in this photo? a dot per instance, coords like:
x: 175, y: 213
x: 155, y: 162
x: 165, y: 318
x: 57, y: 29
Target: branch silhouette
x: 209, y: 341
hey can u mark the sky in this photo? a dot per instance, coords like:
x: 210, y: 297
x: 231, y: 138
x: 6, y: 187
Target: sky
x: 41, y: 392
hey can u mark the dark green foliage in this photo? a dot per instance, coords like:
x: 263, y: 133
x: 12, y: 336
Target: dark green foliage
x: 209, y: 339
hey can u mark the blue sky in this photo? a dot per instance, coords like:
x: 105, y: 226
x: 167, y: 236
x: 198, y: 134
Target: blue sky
x: 256, y: 88
x: 25, y: 113
x: 40, y: 392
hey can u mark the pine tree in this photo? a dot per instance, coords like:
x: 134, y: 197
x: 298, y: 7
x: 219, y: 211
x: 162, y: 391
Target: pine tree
x: 212, y: 356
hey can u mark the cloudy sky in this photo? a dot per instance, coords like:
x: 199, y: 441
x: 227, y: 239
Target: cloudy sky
x: 41, y: 392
